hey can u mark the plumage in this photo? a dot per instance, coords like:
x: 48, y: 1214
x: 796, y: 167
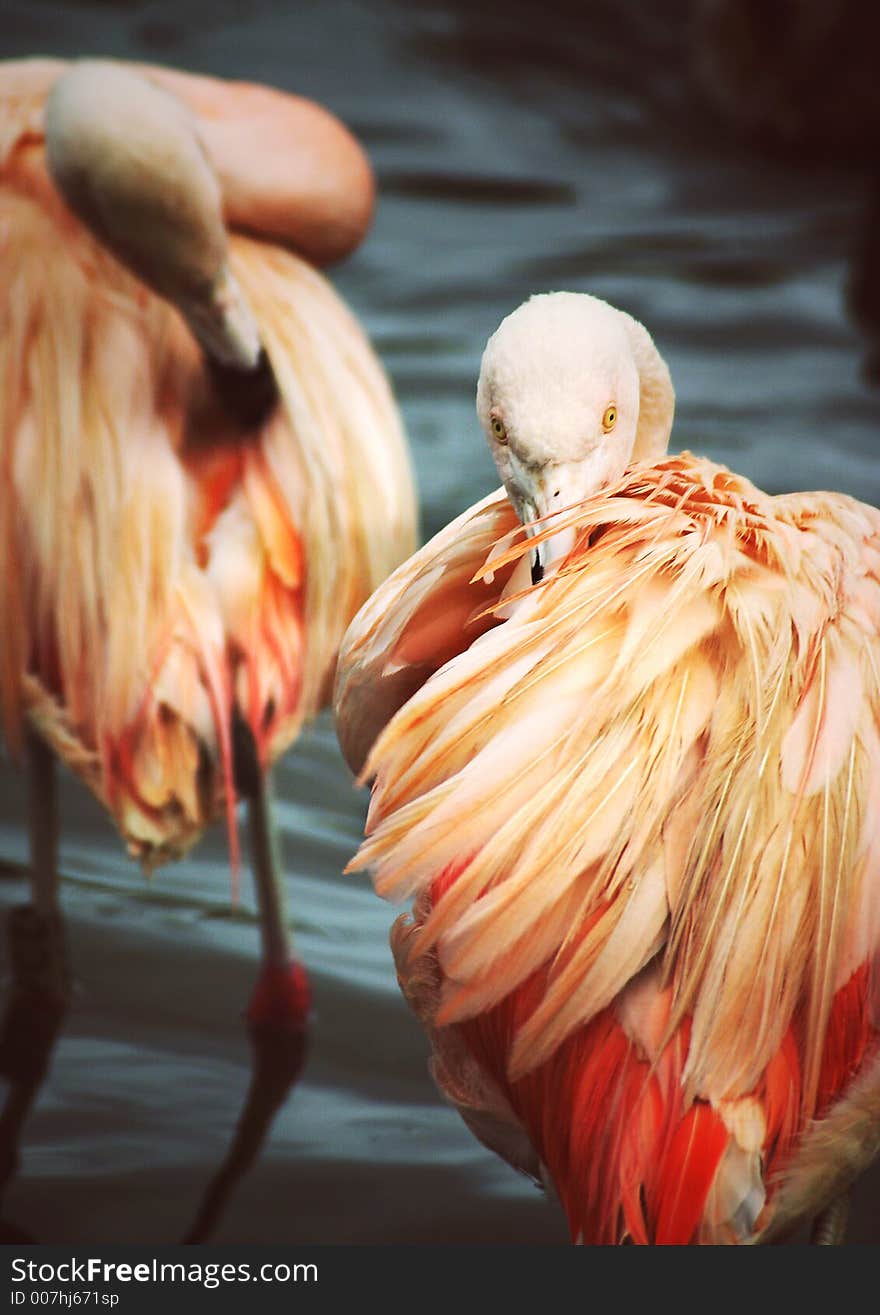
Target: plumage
x: 172, y: 570
x: 645, y: 871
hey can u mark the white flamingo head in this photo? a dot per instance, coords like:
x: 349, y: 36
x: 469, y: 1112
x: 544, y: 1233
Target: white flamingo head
x: 571, y: 391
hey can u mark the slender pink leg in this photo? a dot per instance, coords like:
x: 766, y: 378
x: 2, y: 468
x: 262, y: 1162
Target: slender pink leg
x: 277, y: 1017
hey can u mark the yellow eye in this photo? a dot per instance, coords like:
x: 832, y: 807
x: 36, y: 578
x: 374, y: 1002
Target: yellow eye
x: 609, y: 419
x: 498, y: 430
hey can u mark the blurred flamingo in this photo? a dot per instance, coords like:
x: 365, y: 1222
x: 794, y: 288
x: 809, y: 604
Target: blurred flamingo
x: 202, y: 476
x: 631, y: 775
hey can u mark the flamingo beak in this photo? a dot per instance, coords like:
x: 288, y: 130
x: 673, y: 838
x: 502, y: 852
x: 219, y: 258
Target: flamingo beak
x: 551, y: 493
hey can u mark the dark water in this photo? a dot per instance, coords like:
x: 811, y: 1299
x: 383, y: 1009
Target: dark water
x: 549, y: 146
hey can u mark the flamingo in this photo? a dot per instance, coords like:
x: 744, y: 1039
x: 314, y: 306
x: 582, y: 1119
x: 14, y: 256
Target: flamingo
x: 622, y: 721
x: 202, y: 476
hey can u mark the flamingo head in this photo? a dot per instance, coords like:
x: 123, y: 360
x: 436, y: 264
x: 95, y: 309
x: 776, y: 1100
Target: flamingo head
x: 127, y: 157
x: 571, y: 391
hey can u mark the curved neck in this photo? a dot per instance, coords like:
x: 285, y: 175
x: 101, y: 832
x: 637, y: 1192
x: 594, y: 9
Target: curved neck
x: 126, y: 156
x: 656, y: 394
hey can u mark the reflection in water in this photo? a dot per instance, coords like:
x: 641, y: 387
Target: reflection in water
x: 514, y: 154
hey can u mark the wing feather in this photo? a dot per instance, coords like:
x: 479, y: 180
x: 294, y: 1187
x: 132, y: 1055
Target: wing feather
x: 667, y: 750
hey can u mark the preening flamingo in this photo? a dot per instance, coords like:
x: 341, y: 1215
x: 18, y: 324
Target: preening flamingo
x: 630, y: 772
x: 202, y: 476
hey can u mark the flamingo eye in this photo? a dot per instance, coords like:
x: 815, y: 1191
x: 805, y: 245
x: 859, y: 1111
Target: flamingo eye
x: 609, y: 419
x: 498, y: 430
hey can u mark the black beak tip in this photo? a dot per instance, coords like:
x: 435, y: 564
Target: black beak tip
x: 249, y: 395
x: 537, y: 568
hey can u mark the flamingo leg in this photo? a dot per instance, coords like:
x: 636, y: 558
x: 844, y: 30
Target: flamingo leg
x: 40, y: 987
x: 277, y: 1016
x: 829, y: 1228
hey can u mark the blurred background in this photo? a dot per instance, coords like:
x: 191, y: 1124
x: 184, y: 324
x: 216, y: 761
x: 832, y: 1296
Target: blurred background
x: 705, y: 166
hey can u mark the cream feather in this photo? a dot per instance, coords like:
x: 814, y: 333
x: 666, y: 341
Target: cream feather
x: 669, y: 651
x: 133, y: 625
